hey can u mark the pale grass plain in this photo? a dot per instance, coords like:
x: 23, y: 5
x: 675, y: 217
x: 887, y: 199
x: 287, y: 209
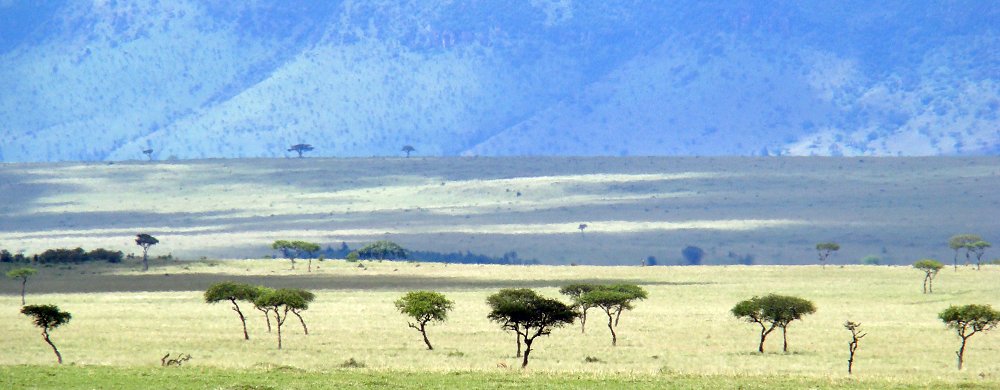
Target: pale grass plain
x: 683, y: 328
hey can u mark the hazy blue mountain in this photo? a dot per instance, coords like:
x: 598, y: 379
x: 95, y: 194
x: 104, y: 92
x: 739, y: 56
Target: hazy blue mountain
x: 95, y: 80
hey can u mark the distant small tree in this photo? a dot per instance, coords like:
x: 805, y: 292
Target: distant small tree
x: 292, y: 250
x: 148, y: 153
x: 582, y: 227
x: 978, y: 248
x: 47, y: 317
x: 382, y: 250
x: 145, y: 241
x: 824, y: 249
x: 300, y: 148
x: 613, y: 300
x: 232, y: 292
x: 856, y: 335
x: 930, y: 268
x: 352, y: 257
x: 23, y: 274
x: 773, y: 311
x: 281, y: 302
x: 692, y: 255
x: 968, y: 320
x: 575, y: 292
x: 534, y: 316
x: 424, y: 307
x: 408, y: 149
x: 960, y: 242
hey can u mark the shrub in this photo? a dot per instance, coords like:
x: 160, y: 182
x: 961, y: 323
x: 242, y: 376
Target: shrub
x: 351, y: 363
x: 871, y: 260
x: 692, y: 255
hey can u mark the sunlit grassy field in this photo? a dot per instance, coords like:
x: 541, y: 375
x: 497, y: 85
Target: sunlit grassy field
x: 682, y: 333
x: 773, y: 209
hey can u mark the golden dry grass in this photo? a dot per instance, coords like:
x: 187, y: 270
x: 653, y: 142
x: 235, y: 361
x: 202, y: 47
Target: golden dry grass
x: 684, y: 327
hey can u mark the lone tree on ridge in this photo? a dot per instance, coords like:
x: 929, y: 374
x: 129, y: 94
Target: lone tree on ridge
x: 148, y: 153
x: 47, y: 317
x: 930, y: 268
x: 424, y: 307
x: 300, y: 148
x: 773, y: 311
x: 408, y: 149
x: 22, y: 273
x: 613, y: 300
x: 233, y: 292
x: 145, y: 241
x: 824, y: 249
x: 968, y: 320
x: 534, y: 316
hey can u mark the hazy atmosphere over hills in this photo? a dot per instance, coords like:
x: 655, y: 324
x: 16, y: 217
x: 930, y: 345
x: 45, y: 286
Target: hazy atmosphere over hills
x: 104, y: 80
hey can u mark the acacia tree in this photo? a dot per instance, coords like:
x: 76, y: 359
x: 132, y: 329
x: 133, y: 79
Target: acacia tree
x: 961, y: 241
x: 574, y: 292
x: 930, y: 268
x: 300, y: 148
x: 512, y: 297
x: 773, y: 311
x: 535, y: 316
x: 424, y: 307
x: 281, y: 302
x: 408, y: 149
x: 582, y: 227
x: 856, y: 335
x: 613, y: 300
x: 145, y: 241
x: 307, y: 298
x: 233, y: 292
x: 979, y: 249
x: 259, y: 291
x: 22, y: 273
x: 968, y: 320
x: 148, y: 153
x: 292, y: 250
x: 47, y: 317
x: 824, y: 249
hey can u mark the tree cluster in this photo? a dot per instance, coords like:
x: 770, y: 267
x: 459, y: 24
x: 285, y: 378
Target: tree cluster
x: 292, y: 250
x: 278, y: 303
x: 972, y: 244
x: 612, y: 299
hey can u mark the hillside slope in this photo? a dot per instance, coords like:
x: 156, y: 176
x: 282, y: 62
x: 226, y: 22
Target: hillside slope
x: 95, y: 80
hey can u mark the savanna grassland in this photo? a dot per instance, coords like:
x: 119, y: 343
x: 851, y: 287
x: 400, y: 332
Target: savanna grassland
x: 772, y: 210
x: 124, y: 321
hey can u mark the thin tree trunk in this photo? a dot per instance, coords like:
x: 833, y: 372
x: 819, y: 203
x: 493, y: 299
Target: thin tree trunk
x: 614, y: 337
x: 145, y: 259
x: 784, y: 337
x: 930, y: 284
x: 961, y: 353
x: 618, y: 315
x: 266, y: 318
x: 518, y: 337
x: 583, y: 321
x: 45, y: 334
x: 279, y: 321
x: 955, y: 260
x: 764, y: 331
x: 236, y: 308
x: 423, y: 331
x: 527, y: 350
x: 310, y: 264
x: 304, y: 328
x: 24, y: 282
x: 926, y: 278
